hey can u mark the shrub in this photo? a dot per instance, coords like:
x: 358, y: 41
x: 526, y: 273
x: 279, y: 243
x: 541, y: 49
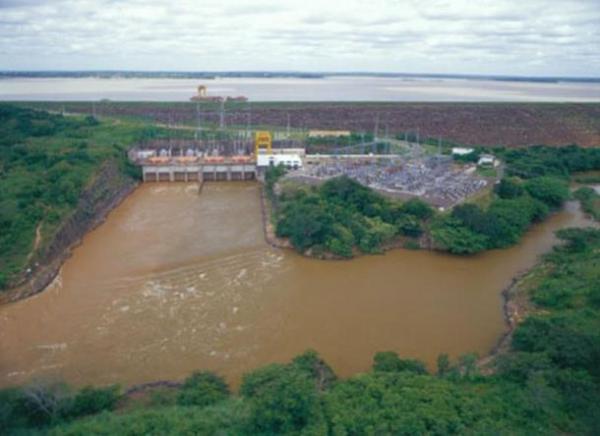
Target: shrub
x: 317, y: 368
x: 552, y: 191
x: 449, y: 234
x: 408, y: 225
x: 388, y: 361
x: 509, y: 187
x: 202, y: 389
x: 518, y: 366
x: 12, y: 413
x: 417, y: 208
x: 92, y: 400
x: 283, y: 399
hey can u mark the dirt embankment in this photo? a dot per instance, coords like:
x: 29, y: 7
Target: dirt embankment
x: 516, y: 307
x: 268, y: 227
x: 109, y: 187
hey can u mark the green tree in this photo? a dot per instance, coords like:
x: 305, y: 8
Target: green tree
x: 283, y: 399
x: 509, y: 187
x: 417, y: 208
x: 90, y: 400
x: 388, y: 361
x: 202, y: 389
x: 552, y: 191
x: 409, y: 225
x: 451, y: 235
x: 443, y: 365
x: 317, y: 368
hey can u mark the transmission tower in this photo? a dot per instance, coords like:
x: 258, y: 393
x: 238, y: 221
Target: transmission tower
x: 222, y: 115
x: 248, y: 121
x: 198, y: 123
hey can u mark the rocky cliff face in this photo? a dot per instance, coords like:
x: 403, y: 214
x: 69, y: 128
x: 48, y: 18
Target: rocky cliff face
x: 108, y: 188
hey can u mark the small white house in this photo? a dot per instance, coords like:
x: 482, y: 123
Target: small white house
x: 461, y: 151
x: 287, y: 160
x: 487, y: 160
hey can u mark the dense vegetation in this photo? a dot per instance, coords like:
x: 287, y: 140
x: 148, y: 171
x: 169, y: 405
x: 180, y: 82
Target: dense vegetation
x: 548, y: 383
x: 549, y: 161
x: 590, y: 201
x: 342, y: 216
x: 46, y: 161
x: 536, y: 183
x: 517, y: 204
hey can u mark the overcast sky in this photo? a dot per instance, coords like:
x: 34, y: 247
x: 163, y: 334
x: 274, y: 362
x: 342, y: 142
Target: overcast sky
x: 521, y: 37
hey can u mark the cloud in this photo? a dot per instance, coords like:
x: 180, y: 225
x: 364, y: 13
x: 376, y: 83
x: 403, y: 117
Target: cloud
x: 5, y: 4
x: 439, y: 36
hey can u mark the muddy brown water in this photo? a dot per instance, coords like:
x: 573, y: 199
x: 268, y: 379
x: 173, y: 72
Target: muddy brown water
x: 174, y: 281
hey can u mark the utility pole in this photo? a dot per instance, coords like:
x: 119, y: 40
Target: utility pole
x: 376, y: 129
x: 287, y: 131
x: 362, y: 142
x: 248, y: 121
x: 198, y: 127
x: 169, y: 129
x: 222, y: 115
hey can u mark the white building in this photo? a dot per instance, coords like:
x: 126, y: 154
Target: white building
x: 301, y: 152
x: 487, y: 160
x: 460, y: 151
x: 328, y: 133
x: 287, y: 160
x: 145, y: 154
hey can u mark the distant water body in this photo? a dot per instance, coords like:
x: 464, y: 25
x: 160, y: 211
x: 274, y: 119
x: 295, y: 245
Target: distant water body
x: 330, y: 88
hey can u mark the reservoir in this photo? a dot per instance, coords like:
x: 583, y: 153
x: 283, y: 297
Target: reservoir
x: 330, y: 88
x: 174, y: 282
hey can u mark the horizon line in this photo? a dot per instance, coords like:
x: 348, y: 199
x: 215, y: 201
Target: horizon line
x: 302, y: 72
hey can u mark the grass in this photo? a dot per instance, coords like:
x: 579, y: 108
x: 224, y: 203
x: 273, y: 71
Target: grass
x: 486, y: 171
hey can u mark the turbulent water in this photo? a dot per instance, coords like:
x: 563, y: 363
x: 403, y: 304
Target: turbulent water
x: 174, y: 281
x: 294, y: 89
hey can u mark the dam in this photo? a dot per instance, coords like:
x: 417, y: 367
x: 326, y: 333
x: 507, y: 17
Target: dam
x: 182, y: 170
x: 175, y: 282
x: 194, y: 161
x: 217, y: 160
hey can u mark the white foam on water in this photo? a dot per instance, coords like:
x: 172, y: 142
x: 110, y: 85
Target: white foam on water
x: 53, y: 347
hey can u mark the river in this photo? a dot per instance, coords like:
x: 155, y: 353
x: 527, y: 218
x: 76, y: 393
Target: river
x: 174, y: 282
x: 330, y: 88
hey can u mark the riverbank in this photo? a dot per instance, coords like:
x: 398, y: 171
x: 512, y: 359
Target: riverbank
x: 516, y: 306
x: 107, y: 190
x: 267, y: 223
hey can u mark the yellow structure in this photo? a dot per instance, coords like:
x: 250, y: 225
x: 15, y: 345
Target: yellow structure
x: 263, y: 142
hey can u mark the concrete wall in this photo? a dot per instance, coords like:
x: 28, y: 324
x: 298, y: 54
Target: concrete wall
x: 193, y: 173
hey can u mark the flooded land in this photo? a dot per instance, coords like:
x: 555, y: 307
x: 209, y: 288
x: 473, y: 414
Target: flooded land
x: 174, y: 281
